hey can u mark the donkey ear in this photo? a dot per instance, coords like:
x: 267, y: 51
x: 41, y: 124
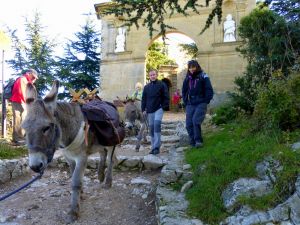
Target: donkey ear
x: 31, y: 93
x: 51, y: 97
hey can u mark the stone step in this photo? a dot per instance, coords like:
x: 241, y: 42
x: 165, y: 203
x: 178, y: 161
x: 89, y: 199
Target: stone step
x: 168, y: 132
x: 164, y: 139
x: 169, y: 126
x: 171, y: 121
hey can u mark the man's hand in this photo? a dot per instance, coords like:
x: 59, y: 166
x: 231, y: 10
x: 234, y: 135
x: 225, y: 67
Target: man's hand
x: 145, y: 113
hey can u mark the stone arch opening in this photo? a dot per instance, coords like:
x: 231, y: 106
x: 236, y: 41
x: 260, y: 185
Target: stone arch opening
x: 175, y: 72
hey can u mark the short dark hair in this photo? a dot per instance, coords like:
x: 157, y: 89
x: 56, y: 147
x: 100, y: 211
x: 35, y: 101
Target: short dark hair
x: 155, y: 70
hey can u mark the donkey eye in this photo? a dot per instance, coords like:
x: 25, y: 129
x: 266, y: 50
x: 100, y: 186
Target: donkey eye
x: 45, y: 129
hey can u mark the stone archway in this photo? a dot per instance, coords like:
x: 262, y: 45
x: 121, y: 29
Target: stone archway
x: 120, y: 70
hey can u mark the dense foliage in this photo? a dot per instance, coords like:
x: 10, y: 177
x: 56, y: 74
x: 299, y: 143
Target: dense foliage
x: 156, y: 56
x: 190, y: 49
x: 153, y: 14
x: 270, y: 47
x: 278, y: 104
x: 79, y: 68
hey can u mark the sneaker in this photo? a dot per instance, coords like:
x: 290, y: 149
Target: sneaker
x: 155, y: 151
x: 199, y: 145
x: 152, y: 151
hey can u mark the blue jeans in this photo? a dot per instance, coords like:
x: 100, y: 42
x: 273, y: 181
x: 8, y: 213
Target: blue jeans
x: 195, y: 115
x: 154, y: 120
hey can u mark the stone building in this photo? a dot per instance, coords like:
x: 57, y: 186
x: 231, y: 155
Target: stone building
x: 121, y: 70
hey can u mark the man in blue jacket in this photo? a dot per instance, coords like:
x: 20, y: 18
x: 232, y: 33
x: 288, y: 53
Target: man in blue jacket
x: 155, y: 100
x: 196, y: 94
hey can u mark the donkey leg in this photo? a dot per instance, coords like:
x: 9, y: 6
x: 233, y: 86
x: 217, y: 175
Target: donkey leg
x: 108, y: 175
x: 139, y: 137
x: 71, y: 162
x: 101, y: 167
x: 72, y: 165
x: 77, y: 188
x: 144, y: 133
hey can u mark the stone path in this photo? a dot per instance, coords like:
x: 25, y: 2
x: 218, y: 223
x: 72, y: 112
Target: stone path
x: 131, y: 200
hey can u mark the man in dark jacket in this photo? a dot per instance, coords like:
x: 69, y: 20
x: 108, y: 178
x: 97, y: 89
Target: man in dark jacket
x: 155, y: 100
x: 196, y: 93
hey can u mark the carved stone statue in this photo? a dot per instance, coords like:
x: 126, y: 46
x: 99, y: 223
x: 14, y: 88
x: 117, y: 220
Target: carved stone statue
x: 229, y: 29
x: 120, y: 40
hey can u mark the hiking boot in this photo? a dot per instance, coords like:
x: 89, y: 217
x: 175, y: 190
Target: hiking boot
x: 192, y: 144
x: 199, y: 145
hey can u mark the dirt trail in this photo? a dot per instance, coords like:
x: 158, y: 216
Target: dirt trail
x: 47, y: 201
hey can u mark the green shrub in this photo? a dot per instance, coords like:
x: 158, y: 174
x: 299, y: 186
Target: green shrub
x: 225, y: 114
x: 278, y: 104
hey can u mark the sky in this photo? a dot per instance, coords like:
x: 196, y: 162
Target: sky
x: 61, y: 18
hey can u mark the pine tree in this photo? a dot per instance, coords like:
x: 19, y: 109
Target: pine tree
x: 289, y: 9
x: 79, y: 68
x: 34, y: 52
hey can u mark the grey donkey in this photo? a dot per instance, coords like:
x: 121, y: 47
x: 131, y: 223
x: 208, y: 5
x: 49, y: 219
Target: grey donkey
x: 133, y: 112
x: 50, y: 125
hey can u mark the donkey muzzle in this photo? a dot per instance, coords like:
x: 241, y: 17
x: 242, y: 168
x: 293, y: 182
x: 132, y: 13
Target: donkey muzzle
x: 38, y: 161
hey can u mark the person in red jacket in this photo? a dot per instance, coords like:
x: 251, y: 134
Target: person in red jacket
x: 18, y: 103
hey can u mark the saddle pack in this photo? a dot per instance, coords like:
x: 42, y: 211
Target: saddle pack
x: 104, y: 121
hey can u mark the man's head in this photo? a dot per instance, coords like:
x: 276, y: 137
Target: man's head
x: 153, y: 74
x: 32, y: 74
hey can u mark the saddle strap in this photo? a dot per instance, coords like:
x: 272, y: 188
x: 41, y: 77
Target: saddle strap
x: 86, y: 132
x: 78, y: 139
x: 115, y: 129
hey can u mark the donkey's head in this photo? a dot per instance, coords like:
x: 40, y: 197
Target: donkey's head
x: 132, y: 113
x: 41, y: 127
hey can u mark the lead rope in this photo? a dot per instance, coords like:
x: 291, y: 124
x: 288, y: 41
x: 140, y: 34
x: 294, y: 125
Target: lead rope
x: 22, y: 187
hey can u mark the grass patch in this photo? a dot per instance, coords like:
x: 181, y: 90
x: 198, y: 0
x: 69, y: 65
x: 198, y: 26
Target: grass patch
x: 230, y: 153
x: 10, y: 152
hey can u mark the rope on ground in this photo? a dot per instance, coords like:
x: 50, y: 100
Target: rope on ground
x: 22, y: 187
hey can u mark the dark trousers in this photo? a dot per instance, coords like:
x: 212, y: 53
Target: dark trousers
x: 195, y: 115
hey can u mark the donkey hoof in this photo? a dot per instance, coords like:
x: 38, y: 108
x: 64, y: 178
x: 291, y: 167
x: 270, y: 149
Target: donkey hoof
x: 106, y: 185
x: 137, y: 149
x: 101, y: 178
x: 72, y: 217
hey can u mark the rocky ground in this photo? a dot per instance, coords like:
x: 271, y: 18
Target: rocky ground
x: 130, y: 201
